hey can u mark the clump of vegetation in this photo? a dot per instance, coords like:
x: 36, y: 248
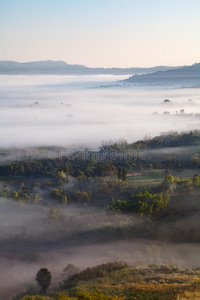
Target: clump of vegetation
x: 92, y: 273
x: 142, y: 203
x: 117, y: 281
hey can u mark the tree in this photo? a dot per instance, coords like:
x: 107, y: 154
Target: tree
x: 59, y: 194
x: 169, y: 179
x: 43, y: 278
x: 124, y: 174
x: 36, y: 199
x: 55, y: 214
x: 195, y: 160
x: 196, y: 180
x: 5, y: 189
x: 15, y: 195
x: 64, y: 199
x: 80, y: 174
x: 121, y: 173
x: 81, y: 197
x: 24, y: 197
x: 69, y: 270
x: 62, y: 175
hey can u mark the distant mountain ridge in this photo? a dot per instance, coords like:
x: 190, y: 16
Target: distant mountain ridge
x: 63, y: 68
x: 187, y: 75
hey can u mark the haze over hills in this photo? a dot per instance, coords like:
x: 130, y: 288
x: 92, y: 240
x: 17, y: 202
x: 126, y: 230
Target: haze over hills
x: 187, y: 76
x: 182, y: 76
x: 63, y: 68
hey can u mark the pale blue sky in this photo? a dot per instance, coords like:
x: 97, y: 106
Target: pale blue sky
x: 121, y: 33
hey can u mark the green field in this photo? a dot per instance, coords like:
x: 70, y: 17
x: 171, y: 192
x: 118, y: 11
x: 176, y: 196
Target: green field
x: 153, y: 177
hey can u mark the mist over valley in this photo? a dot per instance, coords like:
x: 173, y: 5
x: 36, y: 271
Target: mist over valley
x: 62, y: 111
x: 85, y: 168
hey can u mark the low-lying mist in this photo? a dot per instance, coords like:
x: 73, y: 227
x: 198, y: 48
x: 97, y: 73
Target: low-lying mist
x: 66, y: 110
x: 31, y: 238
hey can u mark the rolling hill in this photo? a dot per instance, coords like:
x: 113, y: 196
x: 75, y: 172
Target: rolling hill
x: 188, y: 76
x: 63, y: 68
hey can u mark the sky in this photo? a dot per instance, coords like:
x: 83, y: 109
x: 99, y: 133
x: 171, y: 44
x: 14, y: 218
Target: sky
x: 101, y: 33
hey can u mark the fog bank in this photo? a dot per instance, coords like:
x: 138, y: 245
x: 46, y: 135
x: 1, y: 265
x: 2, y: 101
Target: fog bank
x: 62, y: 110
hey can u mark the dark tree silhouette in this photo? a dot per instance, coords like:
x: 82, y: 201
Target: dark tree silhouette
x: 43, y: 278
x: 121, y: 173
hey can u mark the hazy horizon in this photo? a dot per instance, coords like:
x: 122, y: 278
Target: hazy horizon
x: 105, y: 67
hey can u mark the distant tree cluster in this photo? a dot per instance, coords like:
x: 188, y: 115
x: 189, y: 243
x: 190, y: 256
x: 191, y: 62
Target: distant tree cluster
x: 142, y: 203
